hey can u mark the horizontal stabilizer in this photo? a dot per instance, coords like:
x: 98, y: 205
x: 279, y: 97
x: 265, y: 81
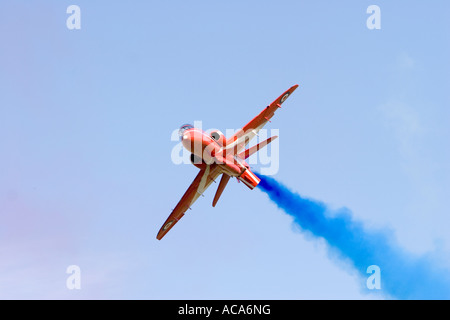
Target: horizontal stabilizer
x: 220, y: 188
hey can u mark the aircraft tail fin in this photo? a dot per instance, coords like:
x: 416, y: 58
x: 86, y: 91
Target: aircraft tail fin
x: 220, y: 188
x: 247, y: 153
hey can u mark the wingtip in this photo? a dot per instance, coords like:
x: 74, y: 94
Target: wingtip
x: 161, y: 234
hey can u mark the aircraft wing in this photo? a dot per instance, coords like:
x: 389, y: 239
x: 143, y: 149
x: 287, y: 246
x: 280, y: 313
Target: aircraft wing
x: 201, y: 182
x: 243, y: 136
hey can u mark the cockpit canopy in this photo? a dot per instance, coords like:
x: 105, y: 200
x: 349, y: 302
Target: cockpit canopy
x: 183, y: 128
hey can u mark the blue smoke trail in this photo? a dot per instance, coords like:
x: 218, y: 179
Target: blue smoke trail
x: 403, y: 275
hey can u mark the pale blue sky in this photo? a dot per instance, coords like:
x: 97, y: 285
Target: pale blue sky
x: 86, y: 117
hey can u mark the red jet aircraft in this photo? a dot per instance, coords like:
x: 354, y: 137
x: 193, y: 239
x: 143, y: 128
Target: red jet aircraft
x: 215, y: 155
